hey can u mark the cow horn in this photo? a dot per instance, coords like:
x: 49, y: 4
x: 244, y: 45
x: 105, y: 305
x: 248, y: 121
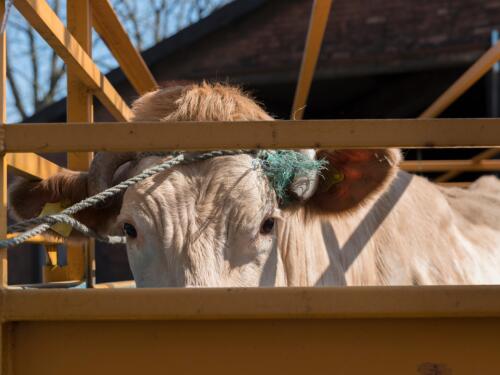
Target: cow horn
x: 103, y: 168
x: 304, y: 186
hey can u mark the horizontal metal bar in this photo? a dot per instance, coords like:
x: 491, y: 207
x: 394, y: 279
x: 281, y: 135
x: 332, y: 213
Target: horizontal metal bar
x: 463, y: 184
x: 40, y: 239
x: 156, y: 136
x: 115, y: 284
x: 39, y: 14
x: 254, y: 303
x: 462, y: 84
x: 450, y: 165
x: 32, y: 166
x: 52, y: 285
x: 486, y: 154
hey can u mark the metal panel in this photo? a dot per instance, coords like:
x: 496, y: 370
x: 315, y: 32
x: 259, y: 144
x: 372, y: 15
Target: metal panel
x: 354, y: 330
x: 308, y: 346
x: 142, y: 136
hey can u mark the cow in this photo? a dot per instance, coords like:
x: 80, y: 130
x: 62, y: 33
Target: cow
x: 360, y: 220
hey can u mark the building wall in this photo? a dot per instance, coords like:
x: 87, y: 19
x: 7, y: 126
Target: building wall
x: 362, y: 37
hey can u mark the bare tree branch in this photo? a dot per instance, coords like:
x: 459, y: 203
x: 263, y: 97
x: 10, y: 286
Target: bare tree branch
x: 37, y: 78
x: 15, y: 90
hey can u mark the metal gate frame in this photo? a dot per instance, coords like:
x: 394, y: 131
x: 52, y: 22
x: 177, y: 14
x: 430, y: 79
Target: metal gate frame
x: 380, y: 330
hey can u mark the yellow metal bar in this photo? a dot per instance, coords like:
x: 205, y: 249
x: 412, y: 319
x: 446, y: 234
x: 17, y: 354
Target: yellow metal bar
x: 317, y: 26
x: 154, y: 136
x: 475, y: 160
x: 41, y: 239
x: 455, y: 165
x: 469, y: 78
x: 45, y: 21
x: 80, y: 110
x: 115, y: 36
x: 3, y: 160
x: 254, y: 303
x: 32, y: 166
x: 115, y: 284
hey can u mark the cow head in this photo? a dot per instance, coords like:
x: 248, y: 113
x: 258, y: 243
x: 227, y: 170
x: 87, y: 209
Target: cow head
x: 213, y: 222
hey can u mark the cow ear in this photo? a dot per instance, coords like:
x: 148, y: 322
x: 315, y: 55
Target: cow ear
x: 352, y: 177
x: 27, y: 199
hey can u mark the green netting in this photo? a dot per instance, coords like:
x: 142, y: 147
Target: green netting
x: 281, y: 167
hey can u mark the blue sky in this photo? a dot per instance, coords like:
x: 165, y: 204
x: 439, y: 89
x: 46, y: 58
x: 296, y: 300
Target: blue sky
x: 180, y: 16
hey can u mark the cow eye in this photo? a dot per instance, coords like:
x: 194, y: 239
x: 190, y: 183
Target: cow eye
x: 267, y: 226
x: 129, y: 230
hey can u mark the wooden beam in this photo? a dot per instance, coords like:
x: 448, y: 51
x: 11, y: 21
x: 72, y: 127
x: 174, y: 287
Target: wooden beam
x: 317, y: 26
x: 158, y: 136
x: 453, y: 165
x: 3, y: 159
x: 32, y: 166
x: 80, y: 110
x: 115, y: 36
x: 39, y: 14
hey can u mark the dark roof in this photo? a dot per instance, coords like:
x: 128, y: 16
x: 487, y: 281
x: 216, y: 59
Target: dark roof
x: 191, y: 34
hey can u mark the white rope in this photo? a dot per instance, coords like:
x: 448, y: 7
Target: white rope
x: 40, y: 225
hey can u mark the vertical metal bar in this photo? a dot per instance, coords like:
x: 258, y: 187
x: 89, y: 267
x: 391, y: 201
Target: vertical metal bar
x: 317, y: 26
x: 493, y: 84
x: 4, y: 357
x: 80, y: 109
x: 3, y: 161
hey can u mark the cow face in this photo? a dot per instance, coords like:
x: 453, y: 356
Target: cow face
x: 208, y: 223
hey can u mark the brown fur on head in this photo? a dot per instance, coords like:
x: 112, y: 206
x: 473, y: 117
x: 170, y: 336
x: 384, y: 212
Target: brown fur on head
x: 198, y: 102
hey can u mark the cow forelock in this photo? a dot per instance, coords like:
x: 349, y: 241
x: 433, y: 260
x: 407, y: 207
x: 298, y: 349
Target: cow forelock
x: 199, y: 225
